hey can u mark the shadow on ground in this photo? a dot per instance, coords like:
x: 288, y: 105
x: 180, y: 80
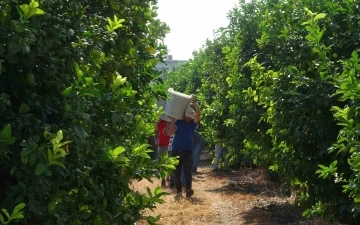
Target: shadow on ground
x: 195, y: 200
x: 246, y: 181
x: 269, y: 206
x: 276, y: 213
x: 244, y: 188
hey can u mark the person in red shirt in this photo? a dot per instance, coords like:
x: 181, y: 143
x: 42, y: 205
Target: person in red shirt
x: 162, y: 128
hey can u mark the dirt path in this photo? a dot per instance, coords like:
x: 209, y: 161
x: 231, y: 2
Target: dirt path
x: 238, y: 197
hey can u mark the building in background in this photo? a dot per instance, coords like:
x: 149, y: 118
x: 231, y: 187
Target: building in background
x: 169, y: 65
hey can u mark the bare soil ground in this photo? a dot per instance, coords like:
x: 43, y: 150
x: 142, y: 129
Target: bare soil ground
x: 238, y: 197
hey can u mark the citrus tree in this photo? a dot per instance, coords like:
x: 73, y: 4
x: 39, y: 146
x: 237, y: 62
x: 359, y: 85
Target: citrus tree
x: 76, y: 108
x: 273, y: 78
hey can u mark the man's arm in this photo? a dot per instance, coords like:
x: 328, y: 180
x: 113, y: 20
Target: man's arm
x: 172, y: 126
x: 196, y: 107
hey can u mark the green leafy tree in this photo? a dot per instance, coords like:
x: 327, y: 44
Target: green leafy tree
x: 343, y: 170
x: 76, y: 108
x: 272, y: 79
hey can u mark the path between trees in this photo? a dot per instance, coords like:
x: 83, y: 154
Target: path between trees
x: 242, y: 196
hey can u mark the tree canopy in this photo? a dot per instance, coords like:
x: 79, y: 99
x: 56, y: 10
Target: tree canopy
x: 279, y: 85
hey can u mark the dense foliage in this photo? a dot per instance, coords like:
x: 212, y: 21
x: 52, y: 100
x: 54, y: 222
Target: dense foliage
x: 279, y: 84
x: 76, y: 108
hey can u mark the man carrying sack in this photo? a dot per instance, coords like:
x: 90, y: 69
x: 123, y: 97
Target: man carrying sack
x: 182, y: 145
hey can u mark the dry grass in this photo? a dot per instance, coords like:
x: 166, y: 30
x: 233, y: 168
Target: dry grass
x: 241, y: 197
x: 179, y: 211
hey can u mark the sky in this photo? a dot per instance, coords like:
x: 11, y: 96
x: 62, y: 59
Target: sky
x: 191, y: 22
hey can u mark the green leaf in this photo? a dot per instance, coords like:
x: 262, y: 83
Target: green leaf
x: 74, y: 45
x: 60, y: 153
x: 354, y: 55
x: 310, y: 29
x: 323, y: 167
x: 319, y: 35
x: 78, y: 71
x: 69, y: 92
x: 117, y: 151
x: 80, y: 109
x: 131, y: 93
x: 24, y: 10
x: 5, y: 16
x: 40, y: 169
x: 311, y: 37
x: 357, y: 200
x: 13, y: 170
x: 157, y: 191
x: 153, y: 220
x: 24, y: 159
x: 309, y: 12
x: 163, y: 173
x: 16, y: 216
x: 57, y: 163
x: 149, y: 192
x: 319, y: 16
x: 34, y: 12
x: 59, y: 136
x: 140, y: 148
x: 90, y: 92
x: 114, y: 5
x: 171, y: 166
x: 6, y: 132
x: 106, y: 157
x: 27, y: 11
x: 114, y: 24
x: 32, y: 159
x: 333, y: 164
x: 306, y: 213
x: 144, y: 155
x: 122, y: 159
x: 34, y: 4
x: 5, y: 212
x: 117, y: 25
x: 18, y: 207
x: 50, y: 155
x: 64, y: 143
x: 85, y: 214
x: 6, y: 135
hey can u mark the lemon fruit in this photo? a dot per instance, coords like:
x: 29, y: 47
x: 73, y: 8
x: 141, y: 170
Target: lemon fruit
x: 30, y: 79
x: 51, y: 206
x: 67, y: 107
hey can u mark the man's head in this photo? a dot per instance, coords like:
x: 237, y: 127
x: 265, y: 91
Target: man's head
x: 189, y: 114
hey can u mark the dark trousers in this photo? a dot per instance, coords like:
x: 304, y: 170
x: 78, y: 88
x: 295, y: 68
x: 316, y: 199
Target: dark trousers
x: 185, y: 163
